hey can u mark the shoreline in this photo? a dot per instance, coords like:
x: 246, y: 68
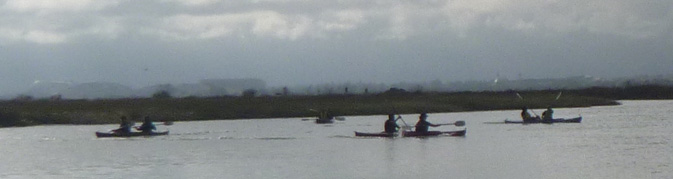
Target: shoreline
x: 108, y: 111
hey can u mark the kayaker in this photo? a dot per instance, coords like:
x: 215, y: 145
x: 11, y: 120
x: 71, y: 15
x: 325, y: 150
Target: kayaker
x: 147, y: 125
x: 525, y: 115
x: 422, y: 125
x: 391, y: 124
x: 325, y: 115
x: 547, y: 115
x: 124, y: 126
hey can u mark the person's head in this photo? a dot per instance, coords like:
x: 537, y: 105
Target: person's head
x: 123, y: 118
x: 524, y: 108
x: 423, y: 116
x: 147, y: 119
x: 391, y: 117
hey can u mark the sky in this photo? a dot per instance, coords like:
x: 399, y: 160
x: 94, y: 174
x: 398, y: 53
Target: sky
x: 303, y: 42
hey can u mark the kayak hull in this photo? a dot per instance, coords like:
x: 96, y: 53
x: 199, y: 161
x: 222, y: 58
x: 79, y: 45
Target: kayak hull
x: 434, y: 133
x: 132, y: 134
x: 324, y: 121
x: 378, y: 134
x: 560, y: 120
x: 413, y: 134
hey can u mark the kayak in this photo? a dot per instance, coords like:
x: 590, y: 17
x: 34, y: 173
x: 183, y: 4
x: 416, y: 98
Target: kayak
x: 324, y: 121
x: 434, y: 133
x: 559, y: 120
x: 132, y: 134
x: 412, y: 134
x: 378, y: 134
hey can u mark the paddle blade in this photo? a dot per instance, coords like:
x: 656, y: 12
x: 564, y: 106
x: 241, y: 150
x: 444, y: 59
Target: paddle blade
x: 168, y: 123
x: 460, y: 123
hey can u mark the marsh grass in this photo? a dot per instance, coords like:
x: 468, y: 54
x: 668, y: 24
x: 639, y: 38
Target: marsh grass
x: 24, y: 113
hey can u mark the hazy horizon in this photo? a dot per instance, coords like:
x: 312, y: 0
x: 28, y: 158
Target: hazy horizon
x: 296, y: 42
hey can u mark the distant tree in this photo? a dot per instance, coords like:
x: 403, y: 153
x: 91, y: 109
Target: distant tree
x: 162, y: 94
x: 249, y: 93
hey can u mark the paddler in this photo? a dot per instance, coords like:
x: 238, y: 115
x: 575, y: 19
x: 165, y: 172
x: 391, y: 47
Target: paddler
x: 547, y: 115
x: 525, y: 115
x: 124, y: 126
x: 422, y: 125
x: 391, y: 124
x: 147, y: 126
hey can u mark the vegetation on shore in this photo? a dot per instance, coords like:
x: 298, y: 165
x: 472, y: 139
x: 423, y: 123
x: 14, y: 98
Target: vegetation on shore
x: 164, y: 108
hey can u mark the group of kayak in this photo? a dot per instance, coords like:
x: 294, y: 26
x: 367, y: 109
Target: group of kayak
x: 391, y: 129
x: 125, y: 129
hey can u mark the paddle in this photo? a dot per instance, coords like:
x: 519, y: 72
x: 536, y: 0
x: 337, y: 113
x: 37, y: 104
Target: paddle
x: 165, y: 123
x: 406, y: 126
x: 517, y: 94
x: 531, y: 110
x: 558, y: 96
x: 457, y: 123
x: 322, y: 114
x: 305, y: 119
x: 131, y: 123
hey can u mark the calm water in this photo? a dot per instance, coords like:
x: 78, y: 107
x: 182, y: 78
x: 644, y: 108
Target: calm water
x: 633, y: 140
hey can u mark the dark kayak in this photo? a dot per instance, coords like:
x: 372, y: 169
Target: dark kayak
x: 434, y: 133
x: 378, y: 134
x: 559, y: 120
x: 132, y: 134
x: 324, y: 121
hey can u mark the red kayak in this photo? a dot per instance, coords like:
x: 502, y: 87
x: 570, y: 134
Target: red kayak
x: 413, y: 134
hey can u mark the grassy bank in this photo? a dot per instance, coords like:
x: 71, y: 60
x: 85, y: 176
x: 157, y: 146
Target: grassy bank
x: 36, y: 112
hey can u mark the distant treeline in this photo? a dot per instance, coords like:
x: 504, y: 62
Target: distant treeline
x: 166, y: 108
x: 629, y: 92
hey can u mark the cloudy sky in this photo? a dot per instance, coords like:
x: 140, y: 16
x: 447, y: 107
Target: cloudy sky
x: 294, y: 42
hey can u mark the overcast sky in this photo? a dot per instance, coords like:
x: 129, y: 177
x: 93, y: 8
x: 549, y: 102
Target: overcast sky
x: 290, y: 42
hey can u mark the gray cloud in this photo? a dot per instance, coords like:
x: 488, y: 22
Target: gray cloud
x: 140, y: 43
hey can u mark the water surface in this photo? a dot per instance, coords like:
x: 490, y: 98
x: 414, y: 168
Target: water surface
x: 632, y: 140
